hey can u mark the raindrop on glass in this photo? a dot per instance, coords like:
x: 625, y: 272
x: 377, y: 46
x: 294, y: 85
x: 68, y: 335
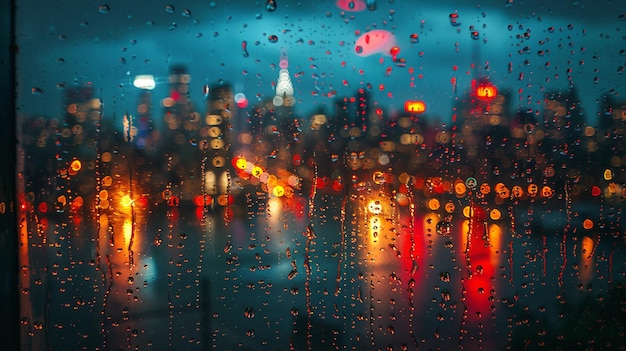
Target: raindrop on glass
x: 270, y: 6
x: 249, y: 312
x: 454, y: 19
x: 444, y: 228
x: 104, y: 9
x: 244, y: 48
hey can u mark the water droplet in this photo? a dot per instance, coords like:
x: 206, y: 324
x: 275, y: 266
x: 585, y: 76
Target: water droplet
x: 445, y: 277
x: 36, y: 91
x: 186, y: 13
x: 249, y: 312
x: 272, y: 38
x: 271, y: 5
x: 454, y: 19
x: 169, y: 8
x: 444, y: 228
x: 104, y: 9
x: 244, y: 48
x: 445, y: 295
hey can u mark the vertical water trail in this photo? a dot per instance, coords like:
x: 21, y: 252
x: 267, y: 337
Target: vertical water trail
x: 610, y: 279
x: 203, y: 235
x: 170, y: 304
x: 513, y: 236
x: 342, y: 250
x: 411, y: 281
x: 568, y: 217
x: 105, y: 299
x: 130, y: 194
x: 371, y: 308
x: 510, y: 260
x: 544, y: 253
x: 99, y: 226
x: 310, y: 235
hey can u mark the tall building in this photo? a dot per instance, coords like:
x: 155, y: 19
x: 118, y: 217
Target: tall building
x: 179, y: 149
x: 216, y: 137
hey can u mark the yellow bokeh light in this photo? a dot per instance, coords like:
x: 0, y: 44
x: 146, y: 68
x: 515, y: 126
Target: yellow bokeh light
x: 106, y: 157
x: 241, y: 163
x: 495, y: 214
x: 103, y: 195
x: 485, y: 188
x: 467, y: 211
x: 127, y: 230
x: 433, y: 204
x: 460, y: 188
x: 107, y: 181
x: 126, y: 201
x: 76, y: 165
x: 272, y: 180
x: 257, y: 171
x: 375, y: 207
x: 546, y: 191
x: 278, y: 191
x: 450, y: 207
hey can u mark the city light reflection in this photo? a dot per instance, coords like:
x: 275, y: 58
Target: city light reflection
x: 342, y: 197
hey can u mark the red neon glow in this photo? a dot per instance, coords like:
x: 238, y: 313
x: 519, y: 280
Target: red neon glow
x: 351, y: 5
x: 202, y: 200
x: 377, y: 41
x: 43, y: 207
x: 477, y: 283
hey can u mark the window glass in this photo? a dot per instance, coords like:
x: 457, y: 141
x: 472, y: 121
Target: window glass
x: 332, y: 175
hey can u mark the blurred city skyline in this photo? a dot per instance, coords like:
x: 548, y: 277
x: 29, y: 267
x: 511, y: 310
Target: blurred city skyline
x: 526, y: 47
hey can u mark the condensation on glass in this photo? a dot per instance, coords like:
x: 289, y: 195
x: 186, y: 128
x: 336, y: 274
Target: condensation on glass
x: 349, y: 175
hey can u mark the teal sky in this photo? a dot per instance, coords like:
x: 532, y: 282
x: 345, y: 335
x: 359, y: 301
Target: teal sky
x: 528, y: 48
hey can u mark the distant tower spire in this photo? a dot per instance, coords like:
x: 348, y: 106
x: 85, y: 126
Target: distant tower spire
x: 284, y: 87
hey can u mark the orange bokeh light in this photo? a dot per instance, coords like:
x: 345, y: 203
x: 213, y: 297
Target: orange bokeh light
x: 414, y: 106
x: 486, y: 91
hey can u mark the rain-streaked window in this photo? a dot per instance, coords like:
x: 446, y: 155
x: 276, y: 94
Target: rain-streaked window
x: 330, y: 175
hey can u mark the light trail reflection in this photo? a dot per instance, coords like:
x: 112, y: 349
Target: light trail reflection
x: 478, y: 282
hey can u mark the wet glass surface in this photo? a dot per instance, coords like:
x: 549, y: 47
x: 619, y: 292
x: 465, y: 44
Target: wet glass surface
x: 349, y: 175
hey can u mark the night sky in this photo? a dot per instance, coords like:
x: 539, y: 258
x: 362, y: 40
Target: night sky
x: 525, y: 47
